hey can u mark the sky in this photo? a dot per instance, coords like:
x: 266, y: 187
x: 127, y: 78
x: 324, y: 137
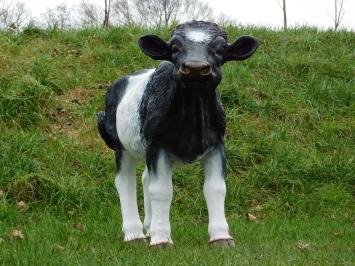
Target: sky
x: 257, y: 12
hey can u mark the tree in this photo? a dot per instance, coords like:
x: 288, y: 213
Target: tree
x: 123, y: 12
x: 58, y: 17
x: 197, y: 10
x: 107, y: 13
x: 284, y: 11
x: 165, y: 12
x: 157, y: 12
x: 225, y: 20
x: 338, y: 13
x: 12, y: 15
x: 89, y: 14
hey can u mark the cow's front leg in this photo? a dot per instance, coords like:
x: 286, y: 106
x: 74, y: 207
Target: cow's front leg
x: 160, y: 190
x: 125, y: 182
x: 214, y: 190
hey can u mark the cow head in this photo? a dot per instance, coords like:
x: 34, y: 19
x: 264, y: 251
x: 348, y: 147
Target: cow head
x: 198, y: 49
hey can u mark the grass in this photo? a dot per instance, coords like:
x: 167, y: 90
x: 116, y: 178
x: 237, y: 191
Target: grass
x: 290, y: 152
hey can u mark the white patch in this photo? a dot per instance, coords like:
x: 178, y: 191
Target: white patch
x: 214, y: 190
x: 198, y: 35
x: 126, y: 184
x: 147, y: 204
x: 161, y: 193
x: 127, y: 115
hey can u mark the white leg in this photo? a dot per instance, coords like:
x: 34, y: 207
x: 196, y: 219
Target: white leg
x: 147, y: 205
x: 126, y: 186
x: 214, y: 190
x: 161, y: 193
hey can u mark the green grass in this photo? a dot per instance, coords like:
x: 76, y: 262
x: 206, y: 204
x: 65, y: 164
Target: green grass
x: 290, y: 152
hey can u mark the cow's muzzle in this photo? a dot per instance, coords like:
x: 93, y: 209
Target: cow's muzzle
x: 195, y: 70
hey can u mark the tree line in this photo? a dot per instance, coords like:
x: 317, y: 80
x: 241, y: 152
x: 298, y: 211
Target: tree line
x: 104, y: 13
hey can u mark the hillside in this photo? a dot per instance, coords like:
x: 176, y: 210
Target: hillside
x: 290, y: 150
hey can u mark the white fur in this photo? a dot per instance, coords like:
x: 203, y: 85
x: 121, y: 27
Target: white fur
x: 125, y: 182
x: 214, y: 190
x: 127, y: 115
x: 147, y: 205
x: 161, y: 193
x: 198, y: 35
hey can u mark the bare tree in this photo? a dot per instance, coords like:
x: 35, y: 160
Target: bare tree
x: 107, y: 13
x: 284, y: 11
x: 197, y: 10
x: 165, y: 12
x: 5, y: 10
x: 20, y: 15
x: 58, y: 17
x: 338, y: 13
x: 225, y: 20
x: 12, y: 15
x: 88, y: 14
x: 123, y: 12
x: 157, y: 12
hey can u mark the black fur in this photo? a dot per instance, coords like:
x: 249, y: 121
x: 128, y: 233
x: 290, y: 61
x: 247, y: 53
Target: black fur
x: 107, y: 119
x: 186, y: 122
x: 223, y: 158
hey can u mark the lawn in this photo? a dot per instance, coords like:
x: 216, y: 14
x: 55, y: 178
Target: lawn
x: 289, y: 143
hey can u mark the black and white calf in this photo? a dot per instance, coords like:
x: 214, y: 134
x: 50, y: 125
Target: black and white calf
x: 167, y: 114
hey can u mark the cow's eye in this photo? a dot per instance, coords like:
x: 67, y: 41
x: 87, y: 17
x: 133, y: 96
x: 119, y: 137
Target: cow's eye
x: 175, y: 49
x: 220, y: 50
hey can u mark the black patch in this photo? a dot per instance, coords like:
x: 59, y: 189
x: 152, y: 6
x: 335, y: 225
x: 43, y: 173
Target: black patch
x: 102, y: 130
x: 223, y: 158
x: 118, y: 157
x: 185, y: 122
x: 107, y: 119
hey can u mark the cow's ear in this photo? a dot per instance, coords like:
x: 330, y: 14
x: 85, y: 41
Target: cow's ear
x: 155, y: 47
x: 241, y: 49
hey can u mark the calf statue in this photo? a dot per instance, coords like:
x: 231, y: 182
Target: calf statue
x: 167, y: 114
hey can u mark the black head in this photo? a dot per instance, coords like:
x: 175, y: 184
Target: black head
x: 198, y: 49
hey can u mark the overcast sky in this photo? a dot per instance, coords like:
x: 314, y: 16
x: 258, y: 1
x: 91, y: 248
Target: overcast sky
x: 257, y: 12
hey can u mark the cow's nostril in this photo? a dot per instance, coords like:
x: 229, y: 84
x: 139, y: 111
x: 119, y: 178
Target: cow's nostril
x: 206, y: 71
x: 184, y: 69
x: 195, y: 68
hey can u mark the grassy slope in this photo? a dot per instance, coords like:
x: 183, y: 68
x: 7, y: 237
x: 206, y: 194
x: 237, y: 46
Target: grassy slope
x: 290, y: 149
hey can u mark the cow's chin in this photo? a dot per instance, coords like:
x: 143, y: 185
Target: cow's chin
x: 202, y: 83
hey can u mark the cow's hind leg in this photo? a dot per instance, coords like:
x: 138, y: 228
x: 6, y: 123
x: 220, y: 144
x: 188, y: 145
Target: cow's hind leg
x: 125, y: 182
x: 147, y: 204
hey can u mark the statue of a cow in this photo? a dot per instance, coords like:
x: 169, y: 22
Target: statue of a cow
x: 168, y: 114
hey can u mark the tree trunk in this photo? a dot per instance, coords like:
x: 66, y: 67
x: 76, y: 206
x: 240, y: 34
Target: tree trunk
x: 338, y: 13
x: 336, y: 25
x: 285, y: 14
x: 107, y: 13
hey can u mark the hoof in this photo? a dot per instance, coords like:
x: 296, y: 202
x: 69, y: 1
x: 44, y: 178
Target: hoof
x: 161, y: 245
x: 137, y: 241
x: 222, y: 243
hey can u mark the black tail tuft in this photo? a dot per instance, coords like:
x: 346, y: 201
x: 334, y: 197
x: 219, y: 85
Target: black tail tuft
x: 102, y: 129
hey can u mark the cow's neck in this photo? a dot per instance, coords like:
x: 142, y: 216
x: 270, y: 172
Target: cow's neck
x: 196, y: 122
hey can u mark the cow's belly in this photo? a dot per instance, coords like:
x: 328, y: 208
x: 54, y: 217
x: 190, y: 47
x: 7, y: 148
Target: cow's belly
x: 127, y: 116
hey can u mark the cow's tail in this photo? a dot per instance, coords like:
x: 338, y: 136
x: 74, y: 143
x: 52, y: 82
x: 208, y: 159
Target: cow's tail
x: 101, y: 120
